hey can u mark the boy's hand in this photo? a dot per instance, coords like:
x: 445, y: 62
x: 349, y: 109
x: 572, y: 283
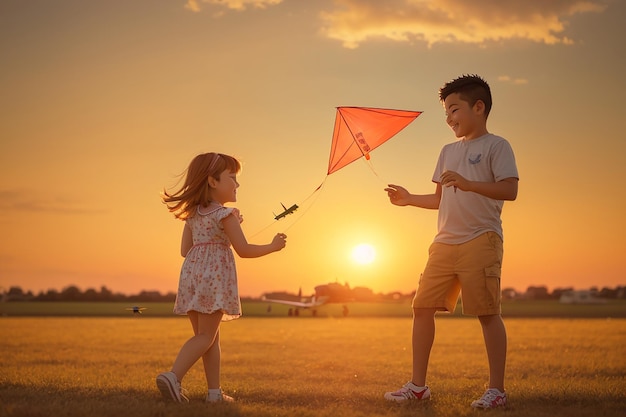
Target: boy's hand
x: 454, y: 179
x: 398, y: 196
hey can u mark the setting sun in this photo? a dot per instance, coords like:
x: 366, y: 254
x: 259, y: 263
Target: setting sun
x: 363, y: 254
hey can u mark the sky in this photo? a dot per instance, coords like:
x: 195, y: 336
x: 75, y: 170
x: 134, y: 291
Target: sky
x: 105, y: 103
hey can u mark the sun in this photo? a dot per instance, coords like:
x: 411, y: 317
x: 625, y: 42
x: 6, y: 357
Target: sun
x: 363, y: 254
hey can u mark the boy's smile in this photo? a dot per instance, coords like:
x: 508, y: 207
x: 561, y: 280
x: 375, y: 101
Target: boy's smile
x: 465, y: 121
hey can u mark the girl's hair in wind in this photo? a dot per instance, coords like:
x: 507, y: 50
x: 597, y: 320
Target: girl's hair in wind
x: 195, y: 189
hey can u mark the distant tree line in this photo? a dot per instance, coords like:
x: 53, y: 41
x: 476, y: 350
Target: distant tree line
x: 542, y: 293
x: 334, y: 291
x: 73, y: 293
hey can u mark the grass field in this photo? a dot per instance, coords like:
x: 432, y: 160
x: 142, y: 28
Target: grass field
x: 289, y: 367
x: 535, y: 308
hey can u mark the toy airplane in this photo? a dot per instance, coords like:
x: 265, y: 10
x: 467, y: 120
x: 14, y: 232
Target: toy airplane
x: 136, y: 310
x: 286, y: 212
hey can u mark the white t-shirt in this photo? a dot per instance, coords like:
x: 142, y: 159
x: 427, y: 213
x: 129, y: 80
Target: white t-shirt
x: 465, y: 215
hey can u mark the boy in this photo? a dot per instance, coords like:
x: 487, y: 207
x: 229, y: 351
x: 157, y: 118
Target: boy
x: 474, y: 176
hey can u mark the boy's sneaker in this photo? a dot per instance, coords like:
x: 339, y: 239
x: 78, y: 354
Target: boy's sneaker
x: 409, y: 391
x: 492, y: 398
x: 218, y: 396
x: 170, y: 388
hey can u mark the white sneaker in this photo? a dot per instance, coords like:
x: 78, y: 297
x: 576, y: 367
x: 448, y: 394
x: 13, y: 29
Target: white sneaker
x: 216, y: 396
x: 409, y: 391
x: 170, y: 388
x: 492, y: 398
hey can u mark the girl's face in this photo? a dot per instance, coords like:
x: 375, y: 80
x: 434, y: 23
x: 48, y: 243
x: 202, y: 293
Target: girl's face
x: 224, y: 190
x: 464, y: 120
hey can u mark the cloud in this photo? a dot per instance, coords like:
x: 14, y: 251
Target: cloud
x: 195, y: 5
x: 445, y: 21
x: 516, y: 81
x: 26, y: 201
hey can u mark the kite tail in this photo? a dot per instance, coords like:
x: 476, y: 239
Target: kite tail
x: 371, y: 166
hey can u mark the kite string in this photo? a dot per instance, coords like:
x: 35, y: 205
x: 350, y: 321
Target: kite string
x: 262, y: 230
x: 309, y: 207
x: 301, y: 214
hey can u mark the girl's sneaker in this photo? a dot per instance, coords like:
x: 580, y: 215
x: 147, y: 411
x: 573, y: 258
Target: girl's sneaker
x: 409, y: 391
x: 217, y: 396
x: 170, y: 388
x: 492, y: 398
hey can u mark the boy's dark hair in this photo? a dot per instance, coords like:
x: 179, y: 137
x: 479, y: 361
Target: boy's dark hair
x: 471, y: 88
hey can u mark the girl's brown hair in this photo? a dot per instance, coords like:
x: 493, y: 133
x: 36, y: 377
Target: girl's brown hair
x: 195, y: 189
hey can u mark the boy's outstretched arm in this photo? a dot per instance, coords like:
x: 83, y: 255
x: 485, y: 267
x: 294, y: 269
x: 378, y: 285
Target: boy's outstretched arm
x: 399, y: 196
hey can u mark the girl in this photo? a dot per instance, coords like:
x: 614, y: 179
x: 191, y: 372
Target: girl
x: 207, y: 290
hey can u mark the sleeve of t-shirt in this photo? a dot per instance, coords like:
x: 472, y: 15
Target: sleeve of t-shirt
x: 439, y: 167
x: 503, y: 162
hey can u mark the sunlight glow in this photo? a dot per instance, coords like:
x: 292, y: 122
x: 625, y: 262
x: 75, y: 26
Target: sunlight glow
x: 363, y: 254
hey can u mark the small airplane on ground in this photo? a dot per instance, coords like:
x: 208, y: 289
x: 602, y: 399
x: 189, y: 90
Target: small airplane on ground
x: 136, y: 310
x: 286, y: 212
x: 315, y: 302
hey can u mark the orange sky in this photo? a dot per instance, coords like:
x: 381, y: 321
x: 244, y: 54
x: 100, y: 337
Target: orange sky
x: 104, y: 103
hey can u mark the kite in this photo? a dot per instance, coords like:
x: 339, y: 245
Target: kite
x: 357, y: 132
x: 360, y: 130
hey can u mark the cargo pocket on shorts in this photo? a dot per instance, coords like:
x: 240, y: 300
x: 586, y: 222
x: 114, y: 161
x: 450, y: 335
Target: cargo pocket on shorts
x: 492, y: 283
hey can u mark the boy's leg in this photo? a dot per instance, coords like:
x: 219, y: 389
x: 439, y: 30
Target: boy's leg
x: 438, y: 289
x: 479, y: 274
x: 494, y: 334
x: 423, y: 338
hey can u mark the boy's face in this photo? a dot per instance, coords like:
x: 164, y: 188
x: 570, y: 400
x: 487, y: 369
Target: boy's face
x: 465, y: 121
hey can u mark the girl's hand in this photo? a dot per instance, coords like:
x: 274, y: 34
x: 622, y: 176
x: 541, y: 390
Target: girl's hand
x: 279, y: 241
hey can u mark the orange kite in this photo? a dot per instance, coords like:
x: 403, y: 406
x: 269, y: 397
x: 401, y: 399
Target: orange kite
x: 360, y: 130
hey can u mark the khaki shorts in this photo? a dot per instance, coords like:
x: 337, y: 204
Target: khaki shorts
x: 471, y: 268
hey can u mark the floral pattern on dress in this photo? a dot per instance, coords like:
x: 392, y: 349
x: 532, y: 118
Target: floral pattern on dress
x: 208, y: 278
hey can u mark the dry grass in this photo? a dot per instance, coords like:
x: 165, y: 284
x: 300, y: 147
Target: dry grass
x: 306, y: 367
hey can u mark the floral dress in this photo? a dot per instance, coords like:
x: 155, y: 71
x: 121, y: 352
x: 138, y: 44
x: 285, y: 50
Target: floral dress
x: 208, y: 278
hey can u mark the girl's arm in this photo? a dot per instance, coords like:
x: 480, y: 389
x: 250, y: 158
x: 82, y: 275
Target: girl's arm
x: 399, y: 196
x: 186, y: 242
x: 232, y: 228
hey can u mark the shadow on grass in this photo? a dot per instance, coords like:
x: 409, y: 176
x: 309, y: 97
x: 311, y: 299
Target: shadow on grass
x: 20, y: 401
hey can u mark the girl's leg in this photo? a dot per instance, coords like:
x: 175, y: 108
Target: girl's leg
x: 206, y: 330
x: 211, y: 361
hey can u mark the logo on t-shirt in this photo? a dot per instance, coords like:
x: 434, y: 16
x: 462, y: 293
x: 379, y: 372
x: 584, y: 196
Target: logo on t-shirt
x: 474, y: 158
